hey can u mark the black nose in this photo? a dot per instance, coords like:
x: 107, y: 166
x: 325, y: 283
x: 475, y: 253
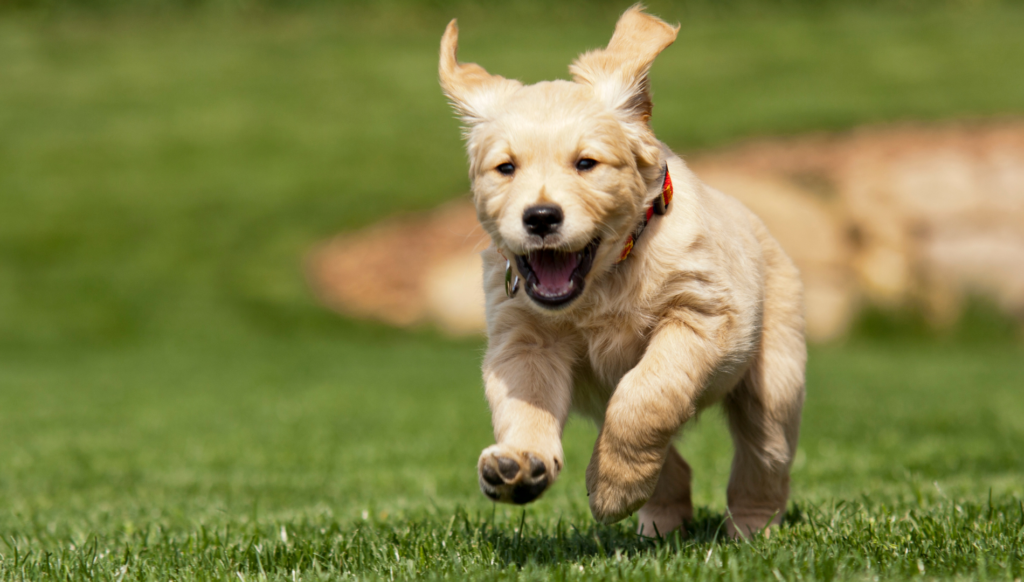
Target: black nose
x: 542, y: 219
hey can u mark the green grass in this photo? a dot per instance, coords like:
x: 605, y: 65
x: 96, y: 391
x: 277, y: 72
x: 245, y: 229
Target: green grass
x: 171, y: 399
x: 187, y: 461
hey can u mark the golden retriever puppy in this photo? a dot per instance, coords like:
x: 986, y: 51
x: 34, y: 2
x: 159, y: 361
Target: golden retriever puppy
x: 622, y: 287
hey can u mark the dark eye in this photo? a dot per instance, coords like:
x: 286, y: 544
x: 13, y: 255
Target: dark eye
x: 507, y: 169
x: 585, y: 164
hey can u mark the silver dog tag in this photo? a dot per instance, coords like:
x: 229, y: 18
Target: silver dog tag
x: 511, y: 283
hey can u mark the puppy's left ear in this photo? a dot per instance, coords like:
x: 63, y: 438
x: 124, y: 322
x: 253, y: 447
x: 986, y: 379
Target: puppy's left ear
x: 618, y: 73
x: 473, y: 92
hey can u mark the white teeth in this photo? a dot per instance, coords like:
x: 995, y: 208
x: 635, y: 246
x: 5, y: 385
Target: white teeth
x: 536, y: 289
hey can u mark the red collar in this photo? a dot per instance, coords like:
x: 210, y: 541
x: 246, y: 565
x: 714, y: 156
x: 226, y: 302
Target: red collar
x: 658, y: 206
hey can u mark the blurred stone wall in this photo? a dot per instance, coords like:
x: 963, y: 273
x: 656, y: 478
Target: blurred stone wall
x: 888, y: 216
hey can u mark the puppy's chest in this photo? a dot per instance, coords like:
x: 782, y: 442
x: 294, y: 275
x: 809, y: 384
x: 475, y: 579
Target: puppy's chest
x: 614, y: 346
x: 611, y: 350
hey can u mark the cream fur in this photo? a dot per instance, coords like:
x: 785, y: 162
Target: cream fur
x: 707, y: 308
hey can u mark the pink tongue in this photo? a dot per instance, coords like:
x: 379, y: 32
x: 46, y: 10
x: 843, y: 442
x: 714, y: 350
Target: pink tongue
x: 553, y: 270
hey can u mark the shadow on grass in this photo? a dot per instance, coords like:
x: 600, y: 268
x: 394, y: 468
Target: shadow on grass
x: 561, y: 543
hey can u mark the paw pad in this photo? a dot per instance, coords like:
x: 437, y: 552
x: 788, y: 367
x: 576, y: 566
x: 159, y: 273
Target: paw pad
x: 503, y: 477
x: 508, y: 468
x: 537, y: 467
x: 488, y: 474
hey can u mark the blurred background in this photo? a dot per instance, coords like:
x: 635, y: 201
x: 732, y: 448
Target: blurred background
x: 237, y: 260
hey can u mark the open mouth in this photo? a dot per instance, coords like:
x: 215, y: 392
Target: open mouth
x: 553, y: 277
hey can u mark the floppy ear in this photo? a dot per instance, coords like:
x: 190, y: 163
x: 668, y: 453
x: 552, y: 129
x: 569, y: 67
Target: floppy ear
x: 618, y: 73
x: 473, y: 92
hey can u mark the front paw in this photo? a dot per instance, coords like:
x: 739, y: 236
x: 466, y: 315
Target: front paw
x: 619, y: 484
x: 512, y: 476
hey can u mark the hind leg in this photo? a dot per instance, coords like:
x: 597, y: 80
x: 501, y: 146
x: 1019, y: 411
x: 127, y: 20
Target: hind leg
x: 670, y: 507
x: 764, y: 419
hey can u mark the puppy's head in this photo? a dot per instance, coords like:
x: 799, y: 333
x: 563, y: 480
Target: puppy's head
x: 562, y: 170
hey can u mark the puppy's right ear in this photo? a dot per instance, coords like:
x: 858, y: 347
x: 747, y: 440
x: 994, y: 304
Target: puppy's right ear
x: 473, y: 92
x: 618, y: 73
